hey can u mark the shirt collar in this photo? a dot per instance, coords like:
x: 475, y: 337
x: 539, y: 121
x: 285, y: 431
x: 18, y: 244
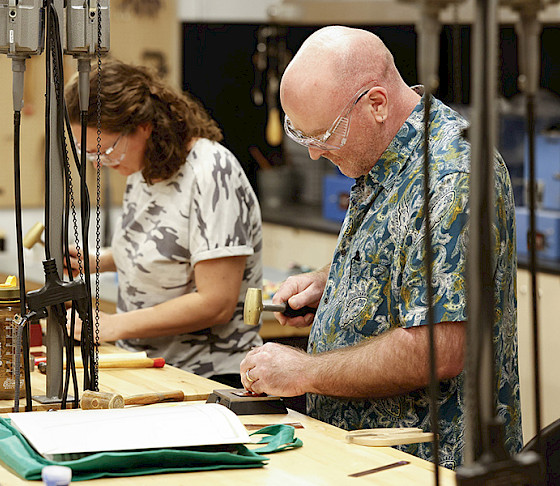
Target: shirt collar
x: 399, y: 150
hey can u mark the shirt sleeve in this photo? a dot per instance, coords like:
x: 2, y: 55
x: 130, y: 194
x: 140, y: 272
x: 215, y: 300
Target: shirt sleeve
x: 449, y: 225
x: 219, y: 212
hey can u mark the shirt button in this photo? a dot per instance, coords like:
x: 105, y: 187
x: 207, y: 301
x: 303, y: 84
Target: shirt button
x: 326, y: 300
x: 343, y: 252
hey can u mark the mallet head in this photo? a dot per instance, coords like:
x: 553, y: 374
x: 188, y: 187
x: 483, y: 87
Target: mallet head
x: 92, y: 400
x: 33, y: 236
x: 253, y: 307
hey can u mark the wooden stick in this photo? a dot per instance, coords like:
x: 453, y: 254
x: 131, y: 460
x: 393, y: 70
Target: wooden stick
x: 117, y: 363
x: 388, y: 436
x: 133, y: 363
x: 155, y: 397
x: 102, y: 357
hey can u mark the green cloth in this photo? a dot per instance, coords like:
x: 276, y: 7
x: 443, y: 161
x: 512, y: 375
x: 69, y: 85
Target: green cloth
x: 18, y: 456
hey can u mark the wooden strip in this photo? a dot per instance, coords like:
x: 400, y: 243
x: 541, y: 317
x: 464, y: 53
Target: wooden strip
x: 383, y: 431
x: 391, y: 440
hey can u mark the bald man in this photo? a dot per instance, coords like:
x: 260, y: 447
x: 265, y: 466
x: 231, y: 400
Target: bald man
x: 367, y: 364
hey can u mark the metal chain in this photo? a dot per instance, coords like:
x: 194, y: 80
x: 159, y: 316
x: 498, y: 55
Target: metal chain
x: 71, y: 194
x: 97, y: 201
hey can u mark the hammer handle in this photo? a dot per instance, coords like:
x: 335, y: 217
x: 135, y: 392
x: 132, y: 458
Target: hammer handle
x: 124, y: 362
x: 148, y: 398
x: 288, y: 311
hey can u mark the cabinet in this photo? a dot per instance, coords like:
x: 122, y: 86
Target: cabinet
x: 284, y: 246
x: 549, y: 343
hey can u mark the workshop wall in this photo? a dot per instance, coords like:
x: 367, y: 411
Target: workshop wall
x: 142, y: 32
x: 220, y: 67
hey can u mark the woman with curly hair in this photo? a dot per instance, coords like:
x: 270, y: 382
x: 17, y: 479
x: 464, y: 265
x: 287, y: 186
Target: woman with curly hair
x: 188, y: 243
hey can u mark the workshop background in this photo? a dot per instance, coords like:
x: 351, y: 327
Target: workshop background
x: 230, y: 54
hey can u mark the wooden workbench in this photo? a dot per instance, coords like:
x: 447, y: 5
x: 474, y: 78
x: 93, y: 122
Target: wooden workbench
x: 324, y: 459
x: 129, y: 381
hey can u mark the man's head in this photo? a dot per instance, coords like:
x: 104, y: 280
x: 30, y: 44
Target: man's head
x: 344, y: 80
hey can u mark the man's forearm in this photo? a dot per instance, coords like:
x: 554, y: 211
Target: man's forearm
x: 394, y: 363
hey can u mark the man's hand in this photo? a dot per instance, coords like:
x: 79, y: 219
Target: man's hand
x: 299, y: 291
x: 391, y: 364
x: 276, y: 369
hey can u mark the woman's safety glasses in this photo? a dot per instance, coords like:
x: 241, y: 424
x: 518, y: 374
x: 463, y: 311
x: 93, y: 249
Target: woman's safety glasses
x: 105, y: 157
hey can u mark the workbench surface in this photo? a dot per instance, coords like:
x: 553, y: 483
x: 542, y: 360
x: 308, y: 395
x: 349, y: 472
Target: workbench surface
x: 324, y: 459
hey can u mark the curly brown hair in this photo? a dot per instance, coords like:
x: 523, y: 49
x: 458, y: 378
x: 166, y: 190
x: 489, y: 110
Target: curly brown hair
x: 132, y: 95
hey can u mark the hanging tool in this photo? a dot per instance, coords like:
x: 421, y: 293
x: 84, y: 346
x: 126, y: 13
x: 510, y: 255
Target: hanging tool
x: 493, y: 464
x: 274, y: 131
x: 21, y: 36
x: 254, y: 307
x: 270, y: 59
x: 260, y: 62
x: 88, y: 38
x: 92, y: 400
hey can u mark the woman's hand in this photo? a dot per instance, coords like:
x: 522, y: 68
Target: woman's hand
x: 106, y: 263
x: 108, y: 326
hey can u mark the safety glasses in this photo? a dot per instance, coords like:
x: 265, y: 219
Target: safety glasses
x: 335, y: 137
x: 105, y: 157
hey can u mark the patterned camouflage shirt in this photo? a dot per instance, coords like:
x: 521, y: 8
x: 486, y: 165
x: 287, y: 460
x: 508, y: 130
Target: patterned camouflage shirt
x: 377, y: 279
x: 207, y: 210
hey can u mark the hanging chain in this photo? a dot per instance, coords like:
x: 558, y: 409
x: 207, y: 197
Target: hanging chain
x: 98, y: 200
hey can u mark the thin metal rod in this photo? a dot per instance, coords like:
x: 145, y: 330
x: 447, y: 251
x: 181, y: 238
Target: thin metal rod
x: 533, y: 262
x: 274, y: 307
x: 21, y: 271
x: 428, y: 259
x: 529, y: 28
x: 54, y: 187
x: 481, y: 386
x: 429, y: 44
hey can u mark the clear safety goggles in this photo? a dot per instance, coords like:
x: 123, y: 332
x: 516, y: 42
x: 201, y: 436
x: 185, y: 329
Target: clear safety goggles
x: 105, y: 157
x: 336, y: 136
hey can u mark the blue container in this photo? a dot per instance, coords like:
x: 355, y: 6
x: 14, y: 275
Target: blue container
x: 547, y: 170
x: 336, y: 195
x: 547, y: 233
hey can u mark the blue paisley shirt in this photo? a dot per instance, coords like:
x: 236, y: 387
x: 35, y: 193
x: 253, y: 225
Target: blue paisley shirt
x: 377, y: 279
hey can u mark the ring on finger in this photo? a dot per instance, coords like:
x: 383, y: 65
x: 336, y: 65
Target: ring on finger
x: 249, y: 379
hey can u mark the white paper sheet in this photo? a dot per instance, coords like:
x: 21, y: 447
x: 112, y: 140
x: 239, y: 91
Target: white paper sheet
x: 86, y: 431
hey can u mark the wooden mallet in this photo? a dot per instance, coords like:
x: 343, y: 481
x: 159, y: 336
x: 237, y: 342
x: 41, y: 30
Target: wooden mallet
x: 33, y: 236
x: 92, y: 400
x: 254, y: 307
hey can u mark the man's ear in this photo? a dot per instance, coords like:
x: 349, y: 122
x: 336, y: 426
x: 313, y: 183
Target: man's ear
x: 378, y: 101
